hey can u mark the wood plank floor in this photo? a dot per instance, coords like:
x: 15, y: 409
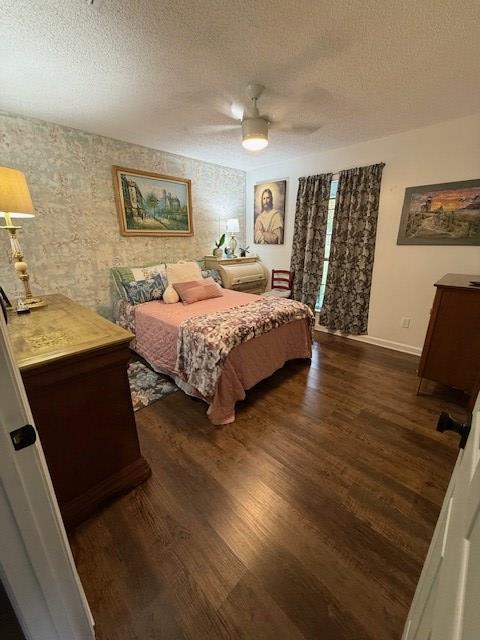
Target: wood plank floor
x: 307, y: 518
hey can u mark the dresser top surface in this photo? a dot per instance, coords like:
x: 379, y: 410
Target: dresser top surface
x: 459, y: 281
x: 60, y: 330
x: 236, y: 260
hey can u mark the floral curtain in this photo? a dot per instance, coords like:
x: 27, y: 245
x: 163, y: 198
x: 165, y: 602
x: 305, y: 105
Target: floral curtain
x: 309, y: 237
x: 347, y: 292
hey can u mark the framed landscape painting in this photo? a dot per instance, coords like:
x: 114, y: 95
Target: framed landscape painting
x: 151, y: 204
x: 447, y: 214
x: 269, y: 212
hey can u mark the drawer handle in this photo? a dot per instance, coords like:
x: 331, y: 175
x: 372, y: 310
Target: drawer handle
x: 447, y: 423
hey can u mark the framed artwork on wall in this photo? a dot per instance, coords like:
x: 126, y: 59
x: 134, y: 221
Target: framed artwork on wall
x: 269, y: 212
x: 151, y: 204
x: 441, y: 214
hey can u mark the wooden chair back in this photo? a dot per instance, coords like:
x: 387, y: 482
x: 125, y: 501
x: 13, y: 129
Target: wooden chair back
x: 282, y: 279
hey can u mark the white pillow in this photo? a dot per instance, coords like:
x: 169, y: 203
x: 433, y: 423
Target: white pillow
x: 183, y: 272
x: 170, y: 296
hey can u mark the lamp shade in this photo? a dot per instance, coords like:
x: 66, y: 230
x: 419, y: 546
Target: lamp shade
x: 14, y: 194
x: 232, y: 225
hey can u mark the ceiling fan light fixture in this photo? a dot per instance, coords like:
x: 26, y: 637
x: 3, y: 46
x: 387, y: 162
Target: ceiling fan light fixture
x: 255, y: 144
x: 254, y: 134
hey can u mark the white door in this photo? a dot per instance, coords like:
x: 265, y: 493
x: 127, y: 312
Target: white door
x: 446, y: 605
x: 36, y: 564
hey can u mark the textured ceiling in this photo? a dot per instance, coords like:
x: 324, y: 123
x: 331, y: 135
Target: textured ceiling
x: 152, y: 72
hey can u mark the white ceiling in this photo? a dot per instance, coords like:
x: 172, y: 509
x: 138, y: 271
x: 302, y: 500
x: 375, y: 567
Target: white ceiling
x: 151, y: 72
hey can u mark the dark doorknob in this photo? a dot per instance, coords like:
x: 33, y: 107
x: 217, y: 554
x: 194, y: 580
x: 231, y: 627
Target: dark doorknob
x: 447, y: 423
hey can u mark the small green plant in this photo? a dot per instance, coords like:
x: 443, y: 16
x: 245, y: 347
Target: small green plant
x: 220, y: 242
x: 244, y: 251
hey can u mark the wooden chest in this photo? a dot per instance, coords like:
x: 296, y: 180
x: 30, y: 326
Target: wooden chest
x: 74, y: 367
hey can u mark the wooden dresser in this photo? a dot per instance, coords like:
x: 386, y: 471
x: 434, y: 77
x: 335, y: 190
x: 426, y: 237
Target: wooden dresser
x: 247, y: 274
x: 74, y: 367
x: 451, y: 353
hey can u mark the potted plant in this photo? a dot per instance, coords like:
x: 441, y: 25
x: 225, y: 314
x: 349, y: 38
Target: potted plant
x: 244, y: 251
x: 217, y: 252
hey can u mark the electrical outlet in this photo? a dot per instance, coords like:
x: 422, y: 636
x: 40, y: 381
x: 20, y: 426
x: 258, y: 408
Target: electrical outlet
x: 405, y: 323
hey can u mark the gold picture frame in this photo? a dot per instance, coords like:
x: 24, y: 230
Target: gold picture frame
x: 152, y: 204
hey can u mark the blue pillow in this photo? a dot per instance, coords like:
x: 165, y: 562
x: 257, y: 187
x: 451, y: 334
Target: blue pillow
x: 139, y: 291
x: 213, y: 273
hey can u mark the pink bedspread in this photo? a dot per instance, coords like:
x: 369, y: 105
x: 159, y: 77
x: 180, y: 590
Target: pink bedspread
x: 156, y: 329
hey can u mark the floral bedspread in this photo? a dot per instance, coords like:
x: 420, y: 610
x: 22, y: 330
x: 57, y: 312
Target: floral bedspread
x: 124, y: 315
x: 204, y: 342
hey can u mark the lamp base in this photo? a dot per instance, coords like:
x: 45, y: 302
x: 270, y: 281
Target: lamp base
x: 34, y: 302
x: 21, y: 267
x: 233, y: 245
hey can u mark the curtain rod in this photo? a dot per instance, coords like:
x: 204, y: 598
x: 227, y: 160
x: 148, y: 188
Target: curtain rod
x: 336, y: 174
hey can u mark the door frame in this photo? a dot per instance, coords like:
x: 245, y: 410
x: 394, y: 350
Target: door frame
x: 36, y: 564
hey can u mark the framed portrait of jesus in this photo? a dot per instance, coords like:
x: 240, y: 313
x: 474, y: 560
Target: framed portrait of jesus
x: 269, y: 212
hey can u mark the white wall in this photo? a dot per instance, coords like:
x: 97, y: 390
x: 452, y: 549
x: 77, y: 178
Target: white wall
x: 403, y: 276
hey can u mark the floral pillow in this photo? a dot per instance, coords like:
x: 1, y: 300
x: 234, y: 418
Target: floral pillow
x: 119, y: 275
x: 212, y: 273
x: 139, y: 291
x: 142, y: 273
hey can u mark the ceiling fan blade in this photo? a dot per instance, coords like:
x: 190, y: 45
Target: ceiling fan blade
x: 302, y: 129
x: 215, y: 128
x: 237, y: 111
x: 285, y: 109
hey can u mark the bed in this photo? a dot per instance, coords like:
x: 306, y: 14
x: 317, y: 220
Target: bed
x: 217, y: 349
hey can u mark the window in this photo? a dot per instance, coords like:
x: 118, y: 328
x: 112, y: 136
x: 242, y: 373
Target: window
x: 328, y: 243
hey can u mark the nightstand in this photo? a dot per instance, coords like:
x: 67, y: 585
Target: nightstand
x: 247, y: 274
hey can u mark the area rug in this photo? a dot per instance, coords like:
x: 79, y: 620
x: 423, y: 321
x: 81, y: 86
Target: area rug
x: 147, y: 386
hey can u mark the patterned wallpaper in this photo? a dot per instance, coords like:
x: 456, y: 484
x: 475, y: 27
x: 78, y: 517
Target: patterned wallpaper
x: 74, y: 238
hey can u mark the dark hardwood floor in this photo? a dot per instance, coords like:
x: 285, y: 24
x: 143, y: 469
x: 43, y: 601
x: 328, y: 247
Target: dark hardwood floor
x: 309, y: 517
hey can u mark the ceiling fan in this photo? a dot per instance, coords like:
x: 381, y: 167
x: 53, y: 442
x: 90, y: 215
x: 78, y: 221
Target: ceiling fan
x: 255, y: 126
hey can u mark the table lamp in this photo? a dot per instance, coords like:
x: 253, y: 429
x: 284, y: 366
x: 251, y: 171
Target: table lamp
x: 232, y: 228
x: 15, y: 202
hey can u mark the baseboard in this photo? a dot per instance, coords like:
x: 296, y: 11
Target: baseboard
x: 379, y: 342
